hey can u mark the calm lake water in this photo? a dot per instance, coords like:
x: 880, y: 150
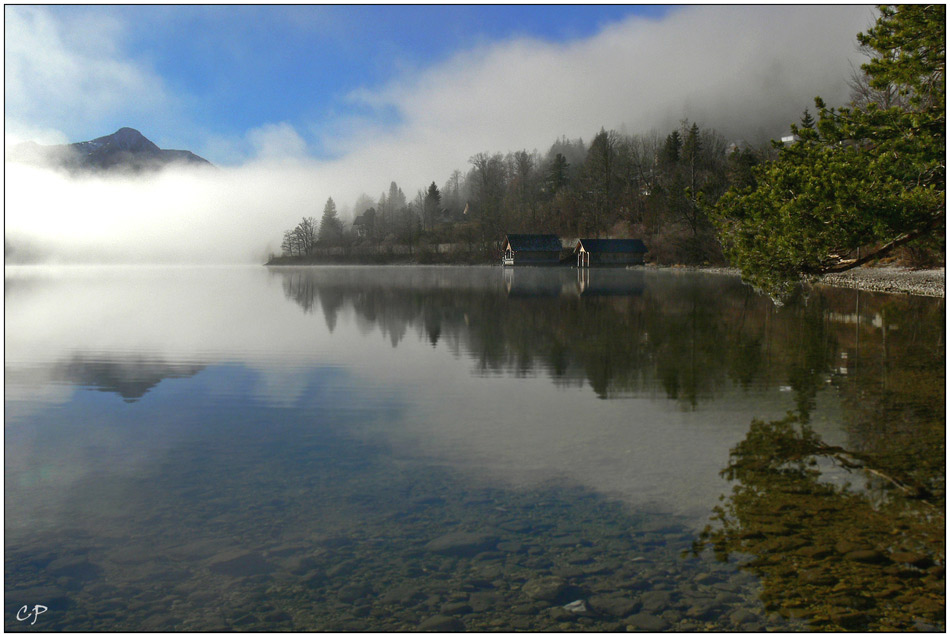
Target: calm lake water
x: 392, y: 449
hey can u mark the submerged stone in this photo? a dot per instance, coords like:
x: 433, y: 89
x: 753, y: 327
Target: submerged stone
x: 77, y: 568
x: 647, y: 622
x: 240, y: 564
x: 456, y: 608
x: 742, y: 616
x: 463, y: 544
x: 914, y: 559
x: 544, y: 588
x: 613, y: 605
x: 868, y: 556
x: 441, y: 624
x: 656, y: 600
x: 400, y: 594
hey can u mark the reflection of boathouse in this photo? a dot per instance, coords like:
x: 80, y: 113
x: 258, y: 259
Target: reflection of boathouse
x: 609, y: 252
x: 543, y: 283
x: 524, y: 283
x: 609, y: 283
x: 532, y: 249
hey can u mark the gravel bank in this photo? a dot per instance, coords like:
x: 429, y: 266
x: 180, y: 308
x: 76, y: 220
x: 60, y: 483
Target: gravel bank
x: 890, y: 279
x: 895, y: 280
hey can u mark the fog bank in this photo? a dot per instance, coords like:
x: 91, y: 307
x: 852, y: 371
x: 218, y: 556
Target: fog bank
x: 746, y: 71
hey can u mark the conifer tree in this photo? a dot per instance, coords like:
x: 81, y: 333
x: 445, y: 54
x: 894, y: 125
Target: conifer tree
x: 557, y: 174
x: 331, y: 228
x: 865, y: 180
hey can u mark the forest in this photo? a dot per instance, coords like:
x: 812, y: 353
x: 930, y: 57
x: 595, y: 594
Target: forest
x: 848, y: 186
x: 656, y: 187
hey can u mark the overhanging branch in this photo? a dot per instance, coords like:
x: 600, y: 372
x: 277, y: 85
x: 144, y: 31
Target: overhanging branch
x: 841, y: 265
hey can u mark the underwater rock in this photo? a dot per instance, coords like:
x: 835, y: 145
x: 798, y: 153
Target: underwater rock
x: 849, y: 619
x: 655, y: 600
x: 742, y: 616
x: 456, y: 608
x: 441, y: 624
x: 613, y: 605
x: 544, y: 588
x: 867, y: 556
x: 647, y: 622
x: 240, y: 564
x: 400, y: 594
x: 78, y: 568
x: 461, y: 544
x: 914, y: 559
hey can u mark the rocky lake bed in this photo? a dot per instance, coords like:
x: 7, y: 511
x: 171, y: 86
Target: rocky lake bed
x: 422, y: 554
x: 486, y: 560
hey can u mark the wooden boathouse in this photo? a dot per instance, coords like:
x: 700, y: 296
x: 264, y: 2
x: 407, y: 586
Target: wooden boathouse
x: 532, y: 249
x: 609, y: 252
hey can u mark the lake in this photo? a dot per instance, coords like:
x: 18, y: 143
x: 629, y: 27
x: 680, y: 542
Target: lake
x: 478, y: 448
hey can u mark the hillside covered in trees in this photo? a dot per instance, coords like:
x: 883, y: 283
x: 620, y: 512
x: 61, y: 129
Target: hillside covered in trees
x: 656, y: 187
x: 858, y: 183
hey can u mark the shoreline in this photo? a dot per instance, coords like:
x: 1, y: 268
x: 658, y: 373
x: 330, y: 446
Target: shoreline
x: 888, y: 279
x: 891, y: 279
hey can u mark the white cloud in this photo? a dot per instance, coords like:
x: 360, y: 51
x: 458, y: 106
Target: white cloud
x: 747, y: 71
x: 277, y: 141
x: 71, y: 71
x: 743, y: 70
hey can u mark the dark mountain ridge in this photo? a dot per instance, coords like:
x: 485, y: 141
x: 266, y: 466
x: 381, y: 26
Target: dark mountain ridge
x: 126, y: 150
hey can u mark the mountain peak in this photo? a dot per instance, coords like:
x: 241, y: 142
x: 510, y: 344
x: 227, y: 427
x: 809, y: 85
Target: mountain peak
x: 125, y: 150
x: 124, y: 139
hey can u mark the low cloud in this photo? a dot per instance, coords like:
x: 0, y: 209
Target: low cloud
x: 747, y: 71
x: 178, y: 215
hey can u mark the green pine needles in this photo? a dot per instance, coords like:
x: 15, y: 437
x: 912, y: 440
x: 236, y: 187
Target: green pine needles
x: 858, y: 182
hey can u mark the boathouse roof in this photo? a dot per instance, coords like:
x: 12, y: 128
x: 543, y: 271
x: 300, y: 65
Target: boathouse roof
x: 612, y: 245
x: 534, y: 242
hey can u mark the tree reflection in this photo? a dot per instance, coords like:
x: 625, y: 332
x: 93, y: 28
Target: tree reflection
x: 624, y: 333
x: 863, y: 556
x: 868, y: 557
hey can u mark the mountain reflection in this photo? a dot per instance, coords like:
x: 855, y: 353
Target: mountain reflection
x: 130, y: 376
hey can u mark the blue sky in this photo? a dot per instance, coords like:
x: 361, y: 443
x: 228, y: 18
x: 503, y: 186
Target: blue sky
x: 235, y: 68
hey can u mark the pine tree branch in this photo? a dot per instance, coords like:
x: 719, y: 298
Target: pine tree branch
x: 842, y: 265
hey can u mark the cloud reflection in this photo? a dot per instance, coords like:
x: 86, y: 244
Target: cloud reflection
x: 473, y: 401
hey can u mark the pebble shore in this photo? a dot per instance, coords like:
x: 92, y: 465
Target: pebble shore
x: 889, y: 279
x: 894, y: 280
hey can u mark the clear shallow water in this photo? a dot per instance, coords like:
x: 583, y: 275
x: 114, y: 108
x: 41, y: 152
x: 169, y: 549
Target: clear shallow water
x: 468, y: 448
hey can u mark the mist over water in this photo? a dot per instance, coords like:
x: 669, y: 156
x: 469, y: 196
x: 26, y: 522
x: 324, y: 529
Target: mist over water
x: 220, y: 216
